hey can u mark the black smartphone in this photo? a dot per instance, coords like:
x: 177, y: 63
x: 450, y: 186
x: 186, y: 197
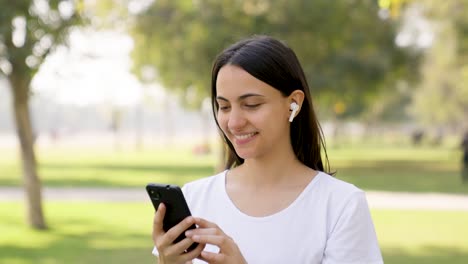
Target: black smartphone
x: 176, y: 206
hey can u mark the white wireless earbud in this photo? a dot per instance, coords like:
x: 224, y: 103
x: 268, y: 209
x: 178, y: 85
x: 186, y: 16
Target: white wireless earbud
x: 294, y: 107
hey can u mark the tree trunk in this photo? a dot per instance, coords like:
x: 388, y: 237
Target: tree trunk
x: 32, y: 185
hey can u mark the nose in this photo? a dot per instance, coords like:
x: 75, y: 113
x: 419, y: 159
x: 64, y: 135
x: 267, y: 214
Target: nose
x: 236, y: 119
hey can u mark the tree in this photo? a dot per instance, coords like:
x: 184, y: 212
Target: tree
x: 437, y: 30
x: 347, y: 51
x: 441, y: 98
x: 29, y: 32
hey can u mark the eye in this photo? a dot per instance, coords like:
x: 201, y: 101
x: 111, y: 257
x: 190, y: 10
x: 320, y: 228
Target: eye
x: 252, y: 106
x: 223, y: 108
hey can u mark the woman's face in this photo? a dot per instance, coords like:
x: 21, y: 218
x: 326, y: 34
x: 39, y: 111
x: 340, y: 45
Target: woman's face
x: 252, y: 114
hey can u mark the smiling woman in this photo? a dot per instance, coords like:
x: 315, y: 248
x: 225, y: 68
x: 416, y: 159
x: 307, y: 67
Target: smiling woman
x: 276, y: 202
x: 245, y: 100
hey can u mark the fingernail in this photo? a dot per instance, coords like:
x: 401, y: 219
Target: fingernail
x: 188, y: 233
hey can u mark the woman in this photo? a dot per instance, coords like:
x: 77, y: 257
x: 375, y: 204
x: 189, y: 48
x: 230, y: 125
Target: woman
x: 274, y: 203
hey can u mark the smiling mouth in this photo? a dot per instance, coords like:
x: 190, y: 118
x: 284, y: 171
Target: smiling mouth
x: 245, y: 136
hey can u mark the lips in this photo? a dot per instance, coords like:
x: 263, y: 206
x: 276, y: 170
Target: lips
x: 245, y: 136
x: 241, y: 139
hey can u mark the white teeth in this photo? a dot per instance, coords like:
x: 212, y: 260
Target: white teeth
x: 244, y: 136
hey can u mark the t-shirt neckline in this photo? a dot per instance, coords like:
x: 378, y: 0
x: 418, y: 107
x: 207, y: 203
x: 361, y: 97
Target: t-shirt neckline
x: 233, y: 207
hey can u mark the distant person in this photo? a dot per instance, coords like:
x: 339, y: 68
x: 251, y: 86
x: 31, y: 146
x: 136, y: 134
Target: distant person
x: 417, y: 136
x: 275, y: 202
x: 464, y: 146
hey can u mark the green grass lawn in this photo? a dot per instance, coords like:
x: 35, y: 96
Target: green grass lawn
x: 79, y: 233
x: 120, y: 233
x: 109, y: 168
x: 405, y: 169
x: 408, y: 169
x: 415, y: 237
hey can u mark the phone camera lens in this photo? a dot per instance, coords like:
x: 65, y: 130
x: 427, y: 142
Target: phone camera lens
x: 157, y: 196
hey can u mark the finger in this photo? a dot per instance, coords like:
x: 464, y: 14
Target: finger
x: 158, y: 220
x: 202, y: 231
x: 180, y: 247
x: 178, y: 229
x: 195, y: 252
x: 217, y: 240
x: 204, y: 223
x: 211, y: 257
x: 189, y: 256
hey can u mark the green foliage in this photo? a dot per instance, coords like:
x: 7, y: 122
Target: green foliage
x: 442, y: 96
x: 29, y: 32
x: 347, y: 51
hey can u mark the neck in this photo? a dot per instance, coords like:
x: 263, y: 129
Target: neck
x: 271, y: 170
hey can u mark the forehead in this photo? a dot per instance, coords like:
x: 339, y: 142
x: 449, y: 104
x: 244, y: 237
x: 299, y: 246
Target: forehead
x: 233, y: 81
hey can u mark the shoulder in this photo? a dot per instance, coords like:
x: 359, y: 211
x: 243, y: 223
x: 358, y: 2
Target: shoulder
x: 203, y: 185
x: 351, y: 235
x: 339, y: 196
x: 204, y: 194
x: 203, y: 182
x: 336, y: 187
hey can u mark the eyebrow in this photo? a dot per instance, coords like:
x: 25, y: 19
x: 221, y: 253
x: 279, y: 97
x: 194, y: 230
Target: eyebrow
x: 242, y: 97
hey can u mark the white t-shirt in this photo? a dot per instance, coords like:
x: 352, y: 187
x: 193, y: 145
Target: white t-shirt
x: 328, y: 223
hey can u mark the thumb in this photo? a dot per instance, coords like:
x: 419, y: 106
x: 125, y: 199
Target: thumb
x: 158, y: 220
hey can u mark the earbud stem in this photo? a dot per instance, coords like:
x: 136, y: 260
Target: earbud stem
x: 293, y: 114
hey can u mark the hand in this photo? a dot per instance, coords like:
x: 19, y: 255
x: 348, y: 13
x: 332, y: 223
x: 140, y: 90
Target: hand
x: 210, y: 233
x: 169, y: 252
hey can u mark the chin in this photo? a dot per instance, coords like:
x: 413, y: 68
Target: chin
x: 243, y: 154
x: 246, y: 154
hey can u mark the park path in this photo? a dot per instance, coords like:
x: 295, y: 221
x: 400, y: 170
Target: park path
x: 376, y: 199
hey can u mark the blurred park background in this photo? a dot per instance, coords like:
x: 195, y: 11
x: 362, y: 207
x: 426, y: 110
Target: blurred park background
x: 108, y: 95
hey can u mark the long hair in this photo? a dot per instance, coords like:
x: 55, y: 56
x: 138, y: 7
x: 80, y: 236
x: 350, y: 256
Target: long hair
x: 274, y: 63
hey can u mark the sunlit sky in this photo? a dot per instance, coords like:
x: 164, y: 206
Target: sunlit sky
x: 95, y: 69
x: 416, y: 30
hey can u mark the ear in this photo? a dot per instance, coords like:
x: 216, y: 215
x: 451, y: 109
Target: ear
x: 297, y: 96
x: 295, y: 100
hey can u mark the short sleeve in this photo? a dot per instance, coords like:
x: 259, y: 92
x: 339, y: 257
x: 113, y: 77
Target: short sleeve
x: 352, y: 239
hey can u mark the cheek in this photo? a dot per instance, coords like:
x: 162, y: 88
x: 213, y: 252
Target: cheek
x: 275, y: 122
x: 222, y: 121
